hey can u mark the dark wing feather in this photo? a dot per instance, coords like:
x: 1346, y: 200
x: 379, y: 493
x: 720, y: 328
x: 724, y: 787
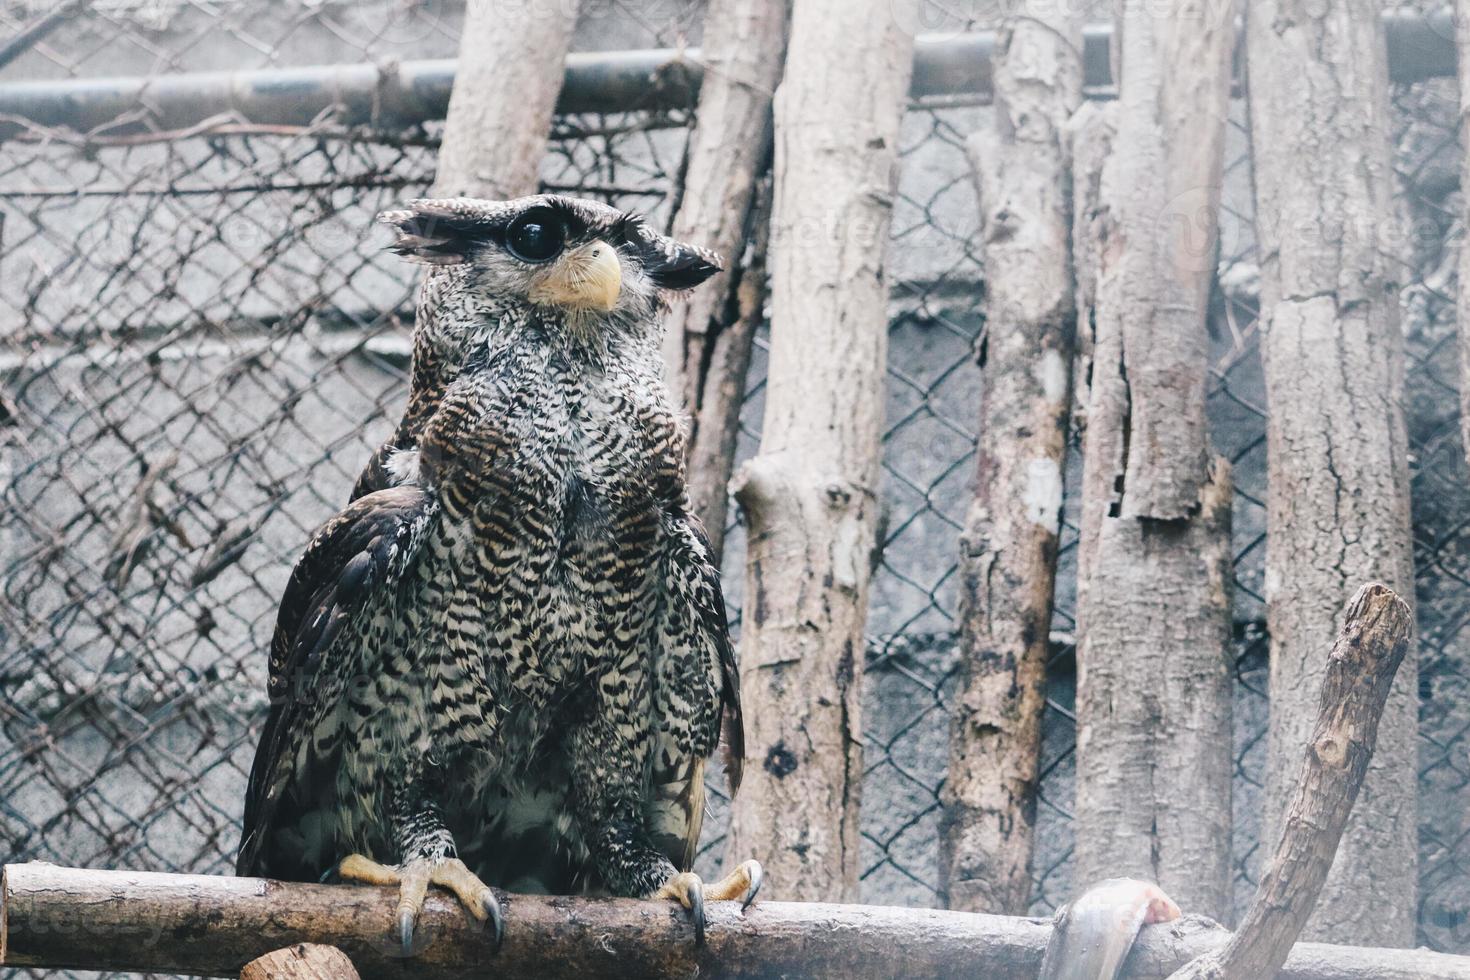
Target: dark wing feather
x: 374, y: 475
x: 696, y: 693
x: 353, y: 560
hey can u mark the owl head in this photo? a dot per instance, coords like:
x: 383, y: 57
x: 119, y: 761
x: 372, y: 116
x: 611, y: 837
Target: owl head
x: 560, y: 254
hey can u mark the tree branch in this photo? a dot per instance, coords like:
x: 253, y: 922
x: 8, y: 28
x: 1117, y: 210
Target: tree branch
x: 1360, y: 671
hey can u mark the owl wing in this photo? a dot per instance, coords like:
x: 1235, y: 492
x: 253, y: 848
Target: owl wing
x: 696, y: 693
x: 717, y: 625
x: 349, y: 571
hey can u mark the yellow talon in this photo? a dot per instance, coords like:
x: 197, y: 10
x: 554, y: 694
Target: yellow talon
x: 740, y: 884
x: 689, y: 891
x: 413, y: 879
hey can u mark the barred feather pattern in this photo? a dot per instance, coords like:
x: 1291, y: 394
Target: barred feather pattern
x: 511, y: 646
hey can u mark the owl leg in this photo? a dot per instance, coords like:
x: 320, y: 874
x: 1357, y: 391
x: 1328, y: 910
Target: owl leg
x: 688, y: 890
x: 609, y: 769
x: 428, y: 857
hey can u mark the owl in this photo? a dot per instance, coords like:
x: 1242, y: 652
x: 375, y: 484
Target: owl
x: 506, y: 661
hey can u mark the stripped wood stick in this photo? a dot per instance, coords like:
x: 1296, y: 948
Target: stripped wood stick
x: 1360, y: 671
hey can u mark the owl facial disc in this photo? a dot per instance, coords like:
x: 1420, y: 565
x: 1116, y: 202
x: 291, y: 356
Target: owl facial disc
x: 586, y: 278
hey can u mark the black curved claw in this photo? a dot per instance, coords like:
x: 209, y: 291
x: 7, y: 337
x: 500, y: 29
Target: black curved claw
x: 491, y: 906
x: 757, y: 875
x: 405, y: 930
x: 696, y: 910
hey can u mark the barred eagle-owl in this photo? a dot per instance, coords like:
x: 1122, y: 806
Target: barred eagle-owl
x: 506, y: 661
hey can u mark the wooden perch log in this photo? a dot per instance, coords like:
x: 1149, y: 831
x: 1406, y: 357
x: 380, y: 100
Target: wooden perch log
x: 1360, y: 672
x: 213, y: 926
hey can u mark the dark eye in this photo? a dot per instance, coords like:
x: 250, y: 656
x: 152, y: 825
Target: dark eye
x: 536, y: 236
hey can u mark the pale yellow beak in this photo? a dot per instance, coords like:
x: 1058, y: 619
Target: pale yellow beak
x: 587, y: 278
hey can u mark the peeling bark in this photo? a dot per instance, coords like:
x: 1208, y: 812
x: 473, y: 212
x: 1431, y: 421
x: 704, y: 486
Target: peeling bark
x: 1338, y: 506
x: 810, y: 495
x: 709, y: 330
x: 511, y: 62
x: 717, y: 424
x: 1008, y: 547
x: 1090, y: 135
x: 1153, y: 665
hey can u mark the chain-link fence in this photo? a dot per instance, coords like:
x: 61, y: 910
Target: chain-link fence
x: 203, y: 340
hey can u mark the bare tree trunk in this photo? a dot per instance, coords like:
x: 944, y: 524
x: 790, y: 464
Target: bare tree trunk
x: 1338, y: 508
x: 708, y: 333
x: 1008, y: 549
x: 811, y: 494
x: 511, y: 62
x: 1153, y: 663
x: 1462, y: 296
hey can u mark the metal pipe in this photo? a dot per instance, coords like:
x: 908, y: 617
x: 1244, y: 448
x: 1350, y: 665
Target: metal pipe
x: 399, y: 94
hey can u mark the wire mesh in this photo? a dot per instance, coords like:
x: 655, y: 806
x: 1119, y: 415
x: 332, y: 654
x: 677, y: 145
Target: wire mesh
x: 203, y: 340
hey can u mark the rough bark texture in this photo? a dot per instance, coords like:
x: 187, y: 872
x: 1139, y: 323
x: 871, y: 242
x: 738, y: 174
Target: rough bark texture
x: 1338, y: 511
x: 722, y: 390
x: 707, y: 334
x: 1360, y: 671
x: 1090, y: 136
x: 511, y: 63
x: 1153, y: 664
x: 304, y: 961
x: 1462, y: 296
x: 212, y: 926
x: 810, y: 496
x: 1153, y: 704
x: 1008, y: 549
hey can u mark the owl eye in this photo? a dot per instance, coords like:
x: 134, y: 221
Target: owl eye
x: 536, y: 236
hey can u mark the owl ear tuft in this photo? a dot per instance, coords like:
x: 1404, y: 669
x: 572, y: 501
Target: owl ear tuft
x: 443, y: 232
x: 686, y: 267
x: 671, y: 264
